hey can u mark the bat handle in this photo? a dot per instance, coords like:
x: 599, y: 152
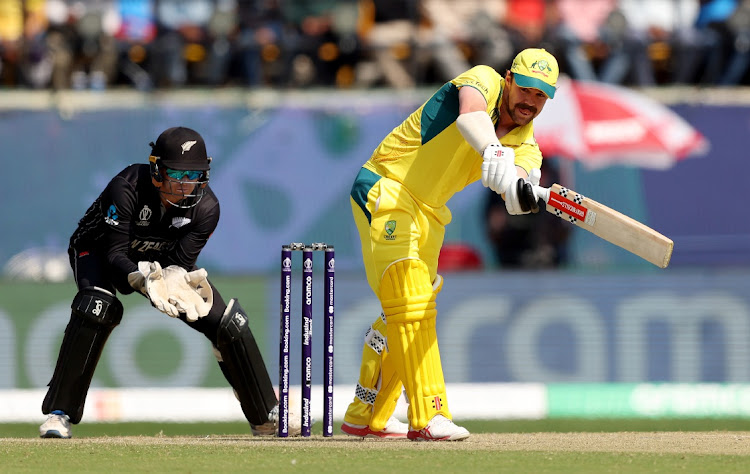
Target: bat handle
x: 542, y: 192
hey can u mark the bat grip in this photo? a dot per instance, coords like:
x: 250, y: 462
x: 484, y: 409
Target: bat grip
x: 542, y: 192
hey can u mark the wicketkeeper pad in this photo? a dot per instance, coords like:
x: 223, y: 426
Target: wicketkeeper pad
x: 242, y: 364
x: 408, y: 299
x: 95, y: 313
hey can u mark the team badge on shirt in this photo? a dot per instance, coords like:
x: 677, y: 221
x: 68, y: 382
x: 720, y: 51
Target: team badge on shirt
x: 390, y: 228
x: 178, y: 222
x: 111, y: 217
x: 144, y: 216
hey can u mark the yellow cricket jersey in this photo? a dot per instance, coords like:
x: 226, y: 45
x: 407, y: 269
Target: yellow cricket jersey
x: 430, y: 157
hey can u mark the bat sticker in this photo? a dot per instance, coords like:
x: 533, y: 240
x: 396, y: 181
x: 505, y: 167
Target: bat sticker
x: 573, y: 209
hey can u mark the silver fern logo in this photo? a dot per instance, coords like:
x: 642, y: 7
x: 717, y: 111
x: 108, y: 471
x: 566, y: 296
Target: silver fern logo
x: 178, y: 222
x: 188, y: 145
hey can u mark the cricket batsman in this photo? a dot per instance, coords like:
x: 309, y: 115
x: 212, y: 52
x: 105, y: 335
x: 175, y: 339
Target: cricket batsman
x: 477, y: 126
x: 144, y: 234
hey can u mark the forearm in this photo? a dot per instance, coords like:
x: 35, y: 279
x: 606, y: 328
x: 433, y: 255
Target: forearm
x: 477, y: 129
x: 120, y: 267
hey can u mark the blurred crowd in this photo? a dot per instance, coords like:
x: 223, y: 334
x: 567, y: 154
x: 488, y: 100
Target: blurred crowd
x: 98, y: 44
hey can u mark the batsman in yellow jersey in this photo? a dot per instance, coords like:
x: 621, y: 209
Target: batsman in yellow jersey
x: 478, y: 125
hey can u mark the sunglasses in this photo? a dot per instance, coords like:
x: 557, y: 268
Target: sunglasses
x: 191, y: 175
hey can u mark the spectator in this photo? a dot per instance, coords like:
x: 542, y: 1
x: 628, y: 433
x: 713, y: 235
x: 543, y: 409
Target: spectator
x: 324, y: 42
x: 181, y: 40
x: 698, y: 44
x: 587, y: 32
x: 526, y: 20
x: 388, y: 29
x: 738, y: 24
x: 35, y: 61
x: 664, y: 29
x: 730, y: 21
x: 222, y: 25
x: 79, y: 43
x: 135, y: 36
x: 400, y: 44
x: 442, y: 42
x: 11, y: 36
x: 489, y: 40
x: 259, y: 44
x: 60, y: 43
x: 96, y: 58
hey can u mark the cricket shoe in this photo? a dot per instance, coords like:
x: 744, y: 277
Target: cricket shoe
x: 56, y: 426
x: 271, y: 427
x: 394, y: 429
x: 439, y: 428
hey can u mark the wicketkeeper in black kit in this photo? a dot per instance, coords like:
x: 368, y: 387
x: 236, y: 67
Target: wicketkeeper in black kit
x: 144, y: 233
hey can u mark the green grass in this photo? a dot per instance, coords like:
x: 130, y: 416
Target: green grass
x: 279, y: 457
x: 228, y: 447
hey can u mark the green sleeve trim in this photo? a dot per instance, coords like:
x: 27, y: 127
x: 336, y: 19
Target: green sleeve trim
x: 364, y: 182
x: 439, y: 112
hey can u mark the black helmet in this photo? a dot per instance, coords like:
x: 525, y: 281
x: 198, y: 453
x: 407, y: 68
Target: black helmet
x: 181, y: 148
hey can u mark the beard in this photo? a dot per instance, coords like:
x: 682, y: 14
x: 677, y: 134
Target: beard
x: 519, y: 120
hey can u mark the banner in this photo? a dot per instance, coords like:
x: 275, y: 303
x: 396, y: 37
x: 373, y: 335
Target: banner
x: 529, y: 327
x: 648, y: 400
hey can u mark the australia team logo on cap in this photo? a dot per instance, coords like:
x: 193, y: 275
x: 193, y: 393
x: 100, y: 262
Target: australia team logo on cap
x: 541, y: 66
x: 536, y: 68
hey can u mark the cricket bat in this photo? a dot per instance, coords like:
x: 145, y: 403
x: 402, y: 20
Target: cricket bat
x: 608, y: 224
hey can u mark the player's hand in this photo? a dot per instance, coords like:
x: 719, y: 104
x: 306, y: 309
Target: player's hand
x: 194, y: 297
x: 498, y: 167
x: 137, y: 280
x: 521, y: 197
x: 535, y: 177
x: 156, y: 286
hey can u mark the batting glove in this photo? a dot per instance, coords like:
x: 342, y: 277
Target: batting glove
x: 498, y: 167
x: 521, y: 197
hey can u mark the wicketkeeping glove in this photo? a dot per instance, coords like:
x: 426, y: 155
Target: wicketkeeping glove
x: 498, y: 167
x: 193, y: 296
x: 156, y: 286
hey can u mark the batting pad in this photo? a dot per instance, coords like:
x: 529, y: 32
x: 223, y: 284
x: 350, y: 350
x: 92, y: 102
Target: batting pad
x: 390, y: 386
x: 378, y: 387
x: 408, y: 300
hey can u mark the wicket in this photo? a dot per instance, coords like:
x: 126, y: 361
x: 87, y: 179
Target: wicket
x: 307, y: 318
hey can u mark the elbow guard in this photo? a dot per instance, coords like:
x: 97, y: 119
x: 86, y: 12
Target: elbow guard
x: 477, y: 129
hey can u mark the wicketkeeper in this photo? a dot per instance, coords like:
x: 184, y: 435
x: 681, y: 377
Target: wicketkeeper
x: 144, y: 234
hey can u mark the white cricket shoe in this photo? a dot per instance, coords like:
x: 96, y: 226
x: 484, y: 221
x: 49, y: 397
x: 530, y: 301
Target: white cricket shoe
x: 393, y: 429
x: 439, y: 428
x: 56, y: 426
x: 271, y: 427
